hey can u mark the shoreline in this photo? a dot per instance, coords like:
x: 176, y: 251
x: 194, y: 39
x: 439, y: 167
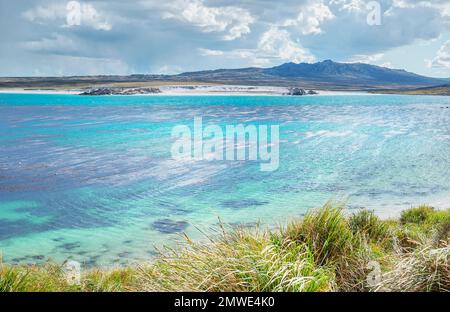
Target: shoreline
x: 176, y: 90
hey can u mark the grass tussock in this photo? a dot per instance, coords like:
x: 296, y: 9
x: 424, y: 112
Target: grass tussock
x: 416, y: 215
x: 324, y: 251
x: 425, y: 269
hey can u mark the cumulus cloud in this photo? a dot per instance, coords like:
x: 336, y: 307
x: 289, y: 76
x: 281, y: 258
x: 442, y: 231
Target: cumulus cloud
x: 86, y: 14
x: 442, y: 59
x: 311, y: 17
x: 277, y: 43
x: 152, y: 36
x: 274, y: 46
x: 349, y: 5
x: 233, y: 21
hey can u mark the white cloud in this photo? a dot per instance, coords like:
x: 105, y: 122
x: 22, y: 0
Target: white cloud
x: 233, y: 21
x: 311, y: 17
x: 442, y: 59
x: 277, y: 43
x: 42, y: 14
x: 89, y: 16
x: 442, y: 5
x: 208, y: 52
x: 366, y: 58
x: 274, y: 46
x: 349, y: 5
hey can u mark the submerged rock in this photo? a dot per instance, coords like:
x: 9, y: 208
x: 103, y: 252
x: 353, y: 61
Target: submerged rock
x: 70, y: 246
x: 169, y: 226
x: 120, y: 91
x: 242, y: 203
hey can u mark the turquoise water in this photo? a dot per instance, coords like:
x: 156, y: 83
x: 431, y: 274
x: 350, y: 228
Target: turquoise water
x: 92, y: 178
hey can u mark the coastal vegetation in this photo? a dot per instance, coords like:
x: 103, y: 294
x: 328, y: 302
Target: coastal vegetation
x: 328, y: 249
x: 435, y: 90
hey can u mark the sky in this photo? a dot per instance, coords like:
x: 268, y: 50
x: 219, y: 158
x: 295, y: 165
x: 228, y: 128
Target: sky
x: 99, y: 37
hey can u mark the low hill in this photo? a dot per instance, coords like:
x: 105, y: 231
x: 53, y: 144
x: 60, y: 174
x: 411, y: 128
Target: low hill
x: 437, y: 90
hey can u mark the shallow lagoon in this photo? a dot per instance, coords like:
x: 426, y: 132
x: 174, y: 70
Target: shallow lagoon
x: 92, y: 179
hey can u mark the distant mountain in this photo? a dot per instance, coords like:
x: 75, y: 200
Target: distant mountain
x: 349, y: 71
x: 321, y: 74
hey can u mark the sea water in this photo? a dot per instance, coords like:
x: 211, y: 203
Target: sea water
x: 92, y: 178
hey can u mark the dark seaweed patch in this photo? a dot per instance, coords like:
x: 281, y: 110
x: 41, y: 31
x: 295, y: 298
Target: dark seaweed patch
x: 169, y: 226
x: 243, y: 203
x: 124, y: 254
x: 70, y: 246
x: 13, y: 228
x: 90, y: 263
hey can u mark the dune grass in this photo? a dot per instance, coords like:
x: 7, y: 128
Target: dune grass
x: 324, y: 251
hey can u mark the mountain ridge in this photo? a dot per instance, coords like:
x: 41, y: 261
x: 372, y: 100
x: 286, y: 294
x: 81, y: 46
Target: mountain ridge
x: 328, y: 71
x: 321, y: 75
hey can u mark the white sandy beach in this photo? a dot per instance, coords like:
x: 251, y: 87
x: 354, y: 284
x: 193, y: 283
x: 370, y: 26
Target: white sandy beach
x: 196, y: 90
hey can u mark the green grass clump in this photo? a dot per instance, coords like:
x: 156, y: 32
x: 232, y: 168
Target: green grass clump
x: 50, y: 277
x: 116, y: 280
x: 366, y: 223
x: 13, y: 280
x: 240, y: 260
x: 325, y: 231
x: 418, y: 224
x: 416, y: 215
x: 323, y: 251
x: 47, y: 277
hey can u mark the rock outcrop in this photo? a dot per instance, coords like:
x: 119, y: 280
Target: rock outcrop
x: 120, y: 91
x: 300, y: 91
